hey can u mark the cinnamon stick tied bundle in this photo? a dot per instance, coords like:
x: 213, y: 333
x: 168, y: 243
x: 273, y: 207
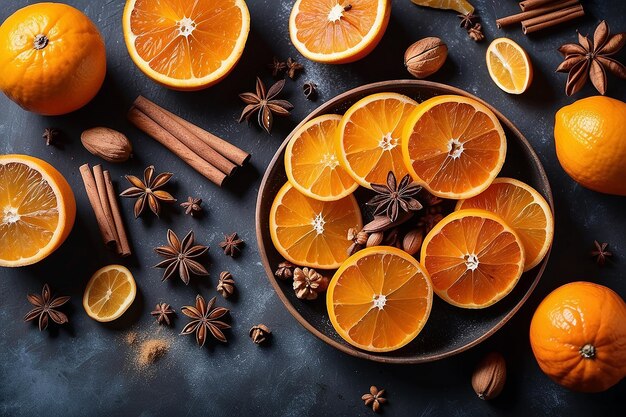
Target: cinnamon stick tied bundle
x: 542, y: 10
x: 103, y: 200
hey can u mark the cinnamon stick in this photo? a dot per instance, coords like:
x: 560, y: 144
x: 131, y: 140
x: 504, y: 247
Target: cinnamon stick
x: 158, y: 133
x: 104, y: 201
x: 188, y: 138
x: 552, y: 19
x: 122, y: 244
x: 94, y: 200
x: 533, y: 4
x: 518, y: 18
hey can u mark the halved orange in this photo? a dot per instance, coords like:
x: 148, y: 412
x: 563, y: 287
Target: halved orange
x: 109, y: 293
x: 311, y: 161
x: 37, y: 210
x: 380, y: 299
x: 473, y: 257
x: 460, y: 6
x: 370, y: 135
x: 338, y: 31
x: 454, y: 146
x: 186, y: 45
x: 522, y: 208
x: 509, y: 66
x: 310, y: 232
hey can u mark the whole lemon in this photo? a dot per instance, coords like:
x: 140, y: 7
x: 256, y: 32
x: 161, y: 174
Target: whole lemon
x: 590, y: 140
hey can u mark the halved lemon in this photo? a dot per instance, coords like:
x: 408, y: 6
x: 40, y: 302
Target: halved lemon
x: 454, y: 146
x: 109, y: 293
x: 37, y: 210
x: 509, y: 66
x: 186, y: 45
x: 379, y: 299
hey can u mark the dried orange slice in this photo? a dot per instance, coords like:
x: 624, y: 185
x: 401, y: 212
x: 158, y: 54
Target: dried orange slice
x: 310, y: 232
x: 509, y: 66
x: 311, y: 161
x: 454, y: 146
x: 37, y: 210
x: 460, y: 6
x: 338, y: 32
x: 473, y: 257
x: 109, y: 293
x: 380, y: 299
x: 186, y: 45
x: 370, y: 135
x: 522, y: 208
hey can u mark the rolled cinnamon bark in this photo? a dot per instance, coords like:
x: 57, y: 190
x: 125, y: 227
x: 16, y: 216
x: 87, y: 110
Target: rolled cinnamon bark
x: 533, y: 4
x: 552, y: 19
x: 123, y: 244
x: 518, y: 18
x: 104, y: 201
x: 94, y: 200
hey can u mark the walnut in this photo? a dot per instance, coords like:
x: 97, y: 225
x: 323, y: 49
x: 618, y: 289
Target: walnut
x: 425, y: 57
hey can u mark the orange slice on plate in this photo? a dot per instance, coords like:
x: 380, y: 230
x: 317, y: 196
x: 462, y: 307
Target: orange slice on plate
x: 37, y: 210
x: 454, y: 146
x: 473, y: 257
x: 311, y: 161
x: 370, y: 135
x: 522, y: 208
x: 460, y: 6
x: 310, y: 232
x: 380, y: 299
x: 109, y: 293
x: 509, y: 66
x: 186, y: 45
x: 338, y: 32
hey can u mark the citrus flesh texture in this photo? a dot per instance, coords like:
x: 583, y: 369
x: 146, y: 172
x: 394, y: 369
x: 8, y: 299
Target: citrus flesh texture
x: 109, y: 293
x: 509, y: 66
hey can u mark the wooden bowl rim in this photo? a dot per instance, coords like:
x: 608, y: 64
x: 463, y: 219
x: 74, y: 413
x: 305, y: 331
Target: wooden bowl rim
x: 323, y: 109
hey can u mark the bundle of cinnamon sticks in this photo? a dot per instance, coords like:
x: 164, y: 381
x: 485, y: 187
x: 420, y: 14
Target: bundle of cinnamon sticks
x: 211, y: 156
x: 542, y: 14
x: 103, y: 200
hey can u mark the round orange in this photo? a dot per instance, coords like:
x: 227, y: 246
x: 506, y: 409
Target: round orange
x: 578, y: 336
x: 52, y: 58
x: 37, y: 210
x: 379, y: 299
x: 109, y: 293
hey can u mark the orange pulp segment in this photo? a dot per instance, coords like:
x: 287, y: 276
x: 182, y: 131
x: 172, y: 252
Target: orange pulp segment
x: 109, y: 293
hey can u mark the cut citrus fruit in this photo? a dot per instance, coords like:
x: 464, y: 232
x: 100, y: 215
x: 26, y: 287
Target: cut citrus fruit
x: 509, y: 66
x: 37, y: 209
x: 474, y: 259
x: 327, y: 31
x: 454, y: 146
x: 369, y: 137
x: 310, y: 232
x: 186, y: 45
x: 522, y: 208
x: 311, y: 161
x: 109, y: 293
x: 380, y: 298
x: 460, y: 6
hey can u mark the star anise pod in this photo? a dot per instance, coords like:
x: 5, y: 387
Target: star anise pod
x: 265, y: 104
x: 375, y: 398
x: 231, y: 244
x: 148, y: 190
x: 162, y: 312
x: 50, y: 135
x: 260, y: 333
x: 192, y: 205
x: 45, y: 307
x: 226, y: 284
x: 476, y: 32
x: 293, y: 68
x: 205, y: 319
x: 467, y: 20
x: 589, y: 59
x: 393, y: 197
x: 310, y: 90
x: 277, y: 66
x: 600, y: 252
x: 285, y: 270
x: 308, y: 283
x: 181, y: 257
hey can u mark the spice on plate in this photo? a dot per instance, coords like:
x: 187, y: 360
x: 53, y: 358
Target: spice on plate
x: 600, y: 252
x: 285, y: 270
x: 45, y: 307
x: 277, y: 67
x: 265, y: 104
x: 309, y: 90
x: 226, y: 284
x: 394, y: 198
x: 192, y: 206
x: 308, y: 283
x: 293, y: 68
x: 148, y: 191
x: 181, y: 257
x: 162, y: 312
x: 476, y: 32
x: 205, y: 319
x: 375, y: 398
x: 231, y: 244
x: 260, y: 333
x: 50, y: 135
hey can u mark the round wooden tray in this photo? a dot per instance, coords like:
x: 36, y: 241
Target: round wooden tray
x: 449, y: 329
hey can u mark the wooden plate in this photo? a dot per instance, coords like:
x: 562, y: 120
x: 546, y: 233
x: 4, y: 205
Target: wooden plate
x: 449, y: 330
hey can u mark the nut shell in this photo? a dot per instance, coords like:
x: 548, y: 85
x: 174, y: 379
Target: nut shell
x: 108, y: 144
x: 489, y: 376
x: 425, y: 57
x: 412, y: 241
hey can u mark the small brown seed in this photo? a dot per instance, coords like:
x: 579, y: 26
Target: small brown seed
x: 425, y: 57
x: 361, y: 238
x: 374, y: 239
x: 412, y: 241
x: 489, y: 376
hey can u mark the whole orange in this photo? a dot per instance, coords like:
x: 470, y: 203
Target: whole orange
x: 578, y: 336
x: 52, y: 58
x: 590, y: 143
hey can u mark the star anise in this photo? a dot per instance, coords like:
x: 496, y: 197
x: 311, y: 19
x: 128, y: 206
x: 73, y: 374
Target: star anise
x: 375, y: 398
x: 192, y: 205
x: 285, y: 270
x: 476, y: 32
x: 293, y: 68
x: 50, y: 135
x: 265, y: 104
x: 45, y: 307
x: 181, y: 257
x: 467, y: 20
x: 260, y: 333
x: 162, y: 312
x: 226, y: 284
x: 205, y: 320
x: 277, y: 66
x: 308, y: 283
x: 393, y: 197
x: 600, y: 252
x: 589, y: 59
x: 148, y: 190
x: 231, y: 244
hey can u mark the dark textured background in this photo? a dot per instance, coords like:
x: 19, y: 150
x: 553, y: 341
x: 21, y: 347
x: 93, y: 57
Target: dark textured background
x: 86, y: 368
